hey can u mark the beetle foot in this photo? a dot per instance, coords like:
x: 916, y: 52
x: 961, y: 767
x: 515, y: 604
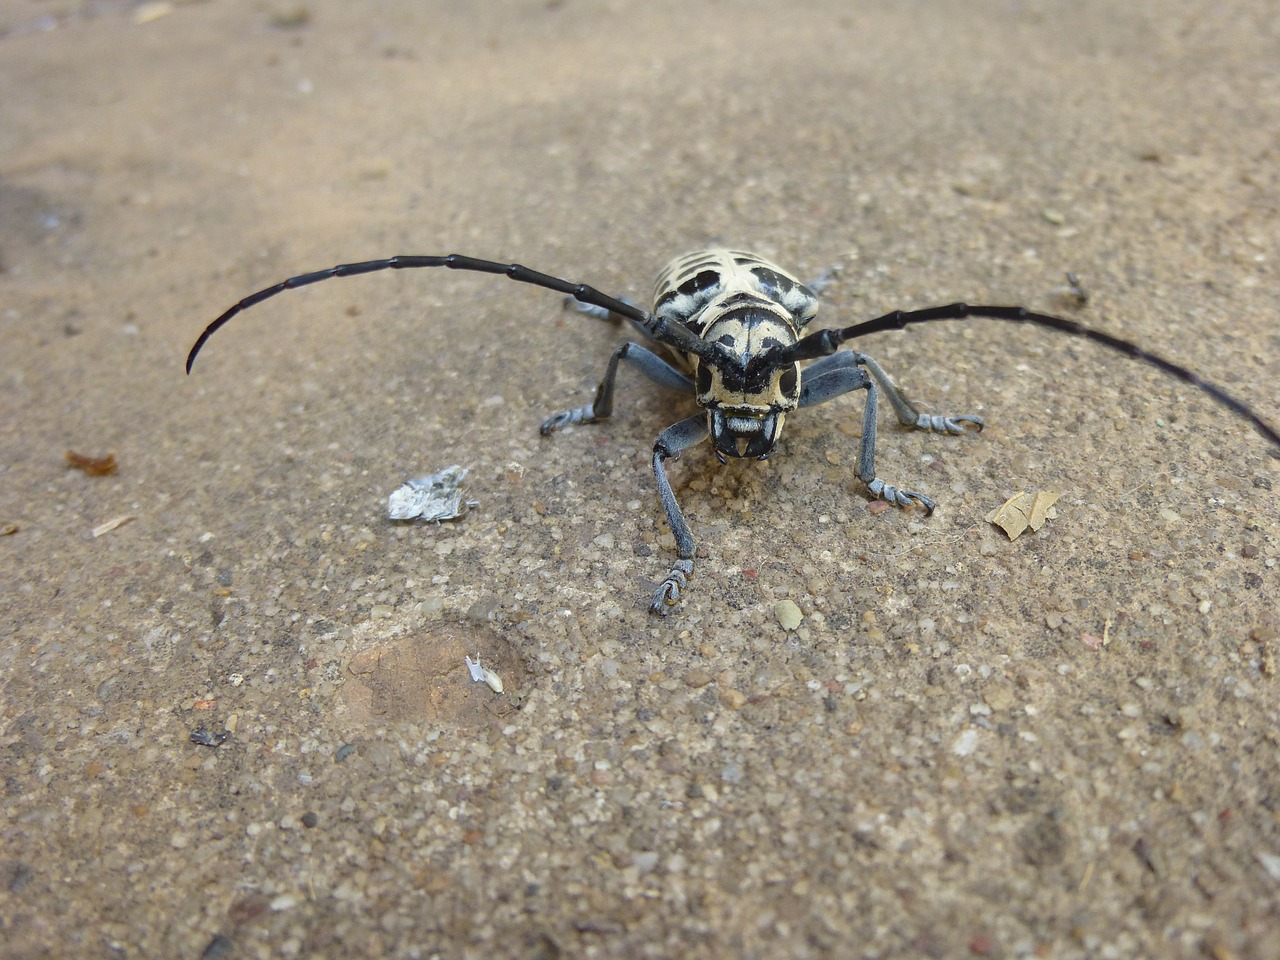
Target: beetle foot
x: 567, y: 418
x: 668, y: 593
x: 940, y: 424
x: 899, y: 498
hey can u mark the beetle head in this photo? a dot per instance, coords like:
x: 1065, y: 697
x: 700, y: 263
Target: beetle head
x: 747, y: 394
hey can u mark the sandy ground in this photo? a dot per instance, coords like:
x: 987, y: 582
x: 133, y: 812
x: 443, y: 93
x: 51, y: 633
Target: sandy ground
x: 1062, y: 746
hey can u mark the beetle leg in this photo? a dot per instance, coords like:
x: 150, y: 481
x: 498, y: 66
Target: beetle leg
x: 906, y: 411
x: 867, y: 461
x: 604, y: 313
x: 598, y: 312
x: 646, y: 361
x: 590, y: 309
x: 842, y: 373
x: 670, y: 444
x: 825, y: 279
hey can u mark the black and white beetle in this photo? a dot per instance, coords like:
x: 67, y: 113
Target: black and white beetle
x: 733, y: 325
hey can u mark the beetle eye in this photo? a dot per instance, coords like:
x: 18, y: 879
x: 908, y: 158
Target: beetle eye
x: 787, y: 382
x: 704, y: 379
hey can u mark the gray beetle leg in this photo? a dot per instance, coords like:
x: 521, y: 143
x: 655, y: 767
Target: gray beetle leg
x: 670, y: 444
x: 647, y: 362
x: 906, y: 411
x: 842, y: 373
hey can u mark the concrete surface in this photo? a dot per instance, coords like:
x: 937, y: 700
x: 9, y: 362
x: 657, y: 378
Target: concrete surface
x: 1062, y: 746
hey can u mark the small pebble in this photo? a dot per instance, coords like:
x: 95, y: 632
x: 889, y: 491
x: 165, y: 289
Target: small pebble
x: 697, y: 678
x: 733, y: 699
x: 965, y: 743
x: 788, y: 614
x: 219, y: 948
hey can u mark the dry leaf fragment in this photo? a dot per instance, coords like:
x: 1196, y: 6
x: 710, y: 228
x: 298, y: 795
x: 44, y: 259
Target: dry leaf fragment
x: 1011, y: 516
x: 1024, y: 510
x: 1042, y: 508
x: 93, y: 466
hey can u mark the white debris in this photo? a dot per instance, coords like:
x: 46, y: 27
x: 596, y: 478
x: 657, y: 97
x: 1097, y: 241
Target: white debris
x: 110, y: 525
x: 1270, y: 863
x: 483, y: 674
x: 437, y: 496
x: 966, y: 743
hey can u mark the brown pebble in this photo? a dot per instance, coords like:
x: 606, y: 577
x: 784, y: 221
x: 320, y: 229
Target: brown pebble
x: 733, y: 699
x: 246, y: 909
x: 981, y: 945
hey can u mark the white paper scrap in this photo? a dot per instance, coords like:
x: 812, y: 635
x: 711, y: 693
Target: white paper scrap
x: 437, y: 496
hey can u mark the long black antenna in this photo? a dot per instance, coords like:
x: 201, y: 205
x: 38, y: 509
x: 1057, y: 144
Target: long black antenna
x: 677, y: 336
x: 826, y: 342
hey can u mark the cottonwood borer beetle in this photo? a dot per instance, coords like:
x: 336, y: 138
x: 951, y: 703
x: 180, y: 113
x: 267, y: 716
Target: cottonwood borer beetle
x: 733, y: 325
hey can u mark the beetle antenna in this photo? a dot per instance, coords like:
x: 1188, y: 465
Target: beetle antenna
x: 679, y: 337
x: 826, y: 342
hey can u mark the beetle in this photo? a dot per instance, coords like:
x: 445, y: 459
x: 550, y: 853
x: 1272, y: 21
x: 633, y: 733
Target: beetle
x: 733, y: 325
